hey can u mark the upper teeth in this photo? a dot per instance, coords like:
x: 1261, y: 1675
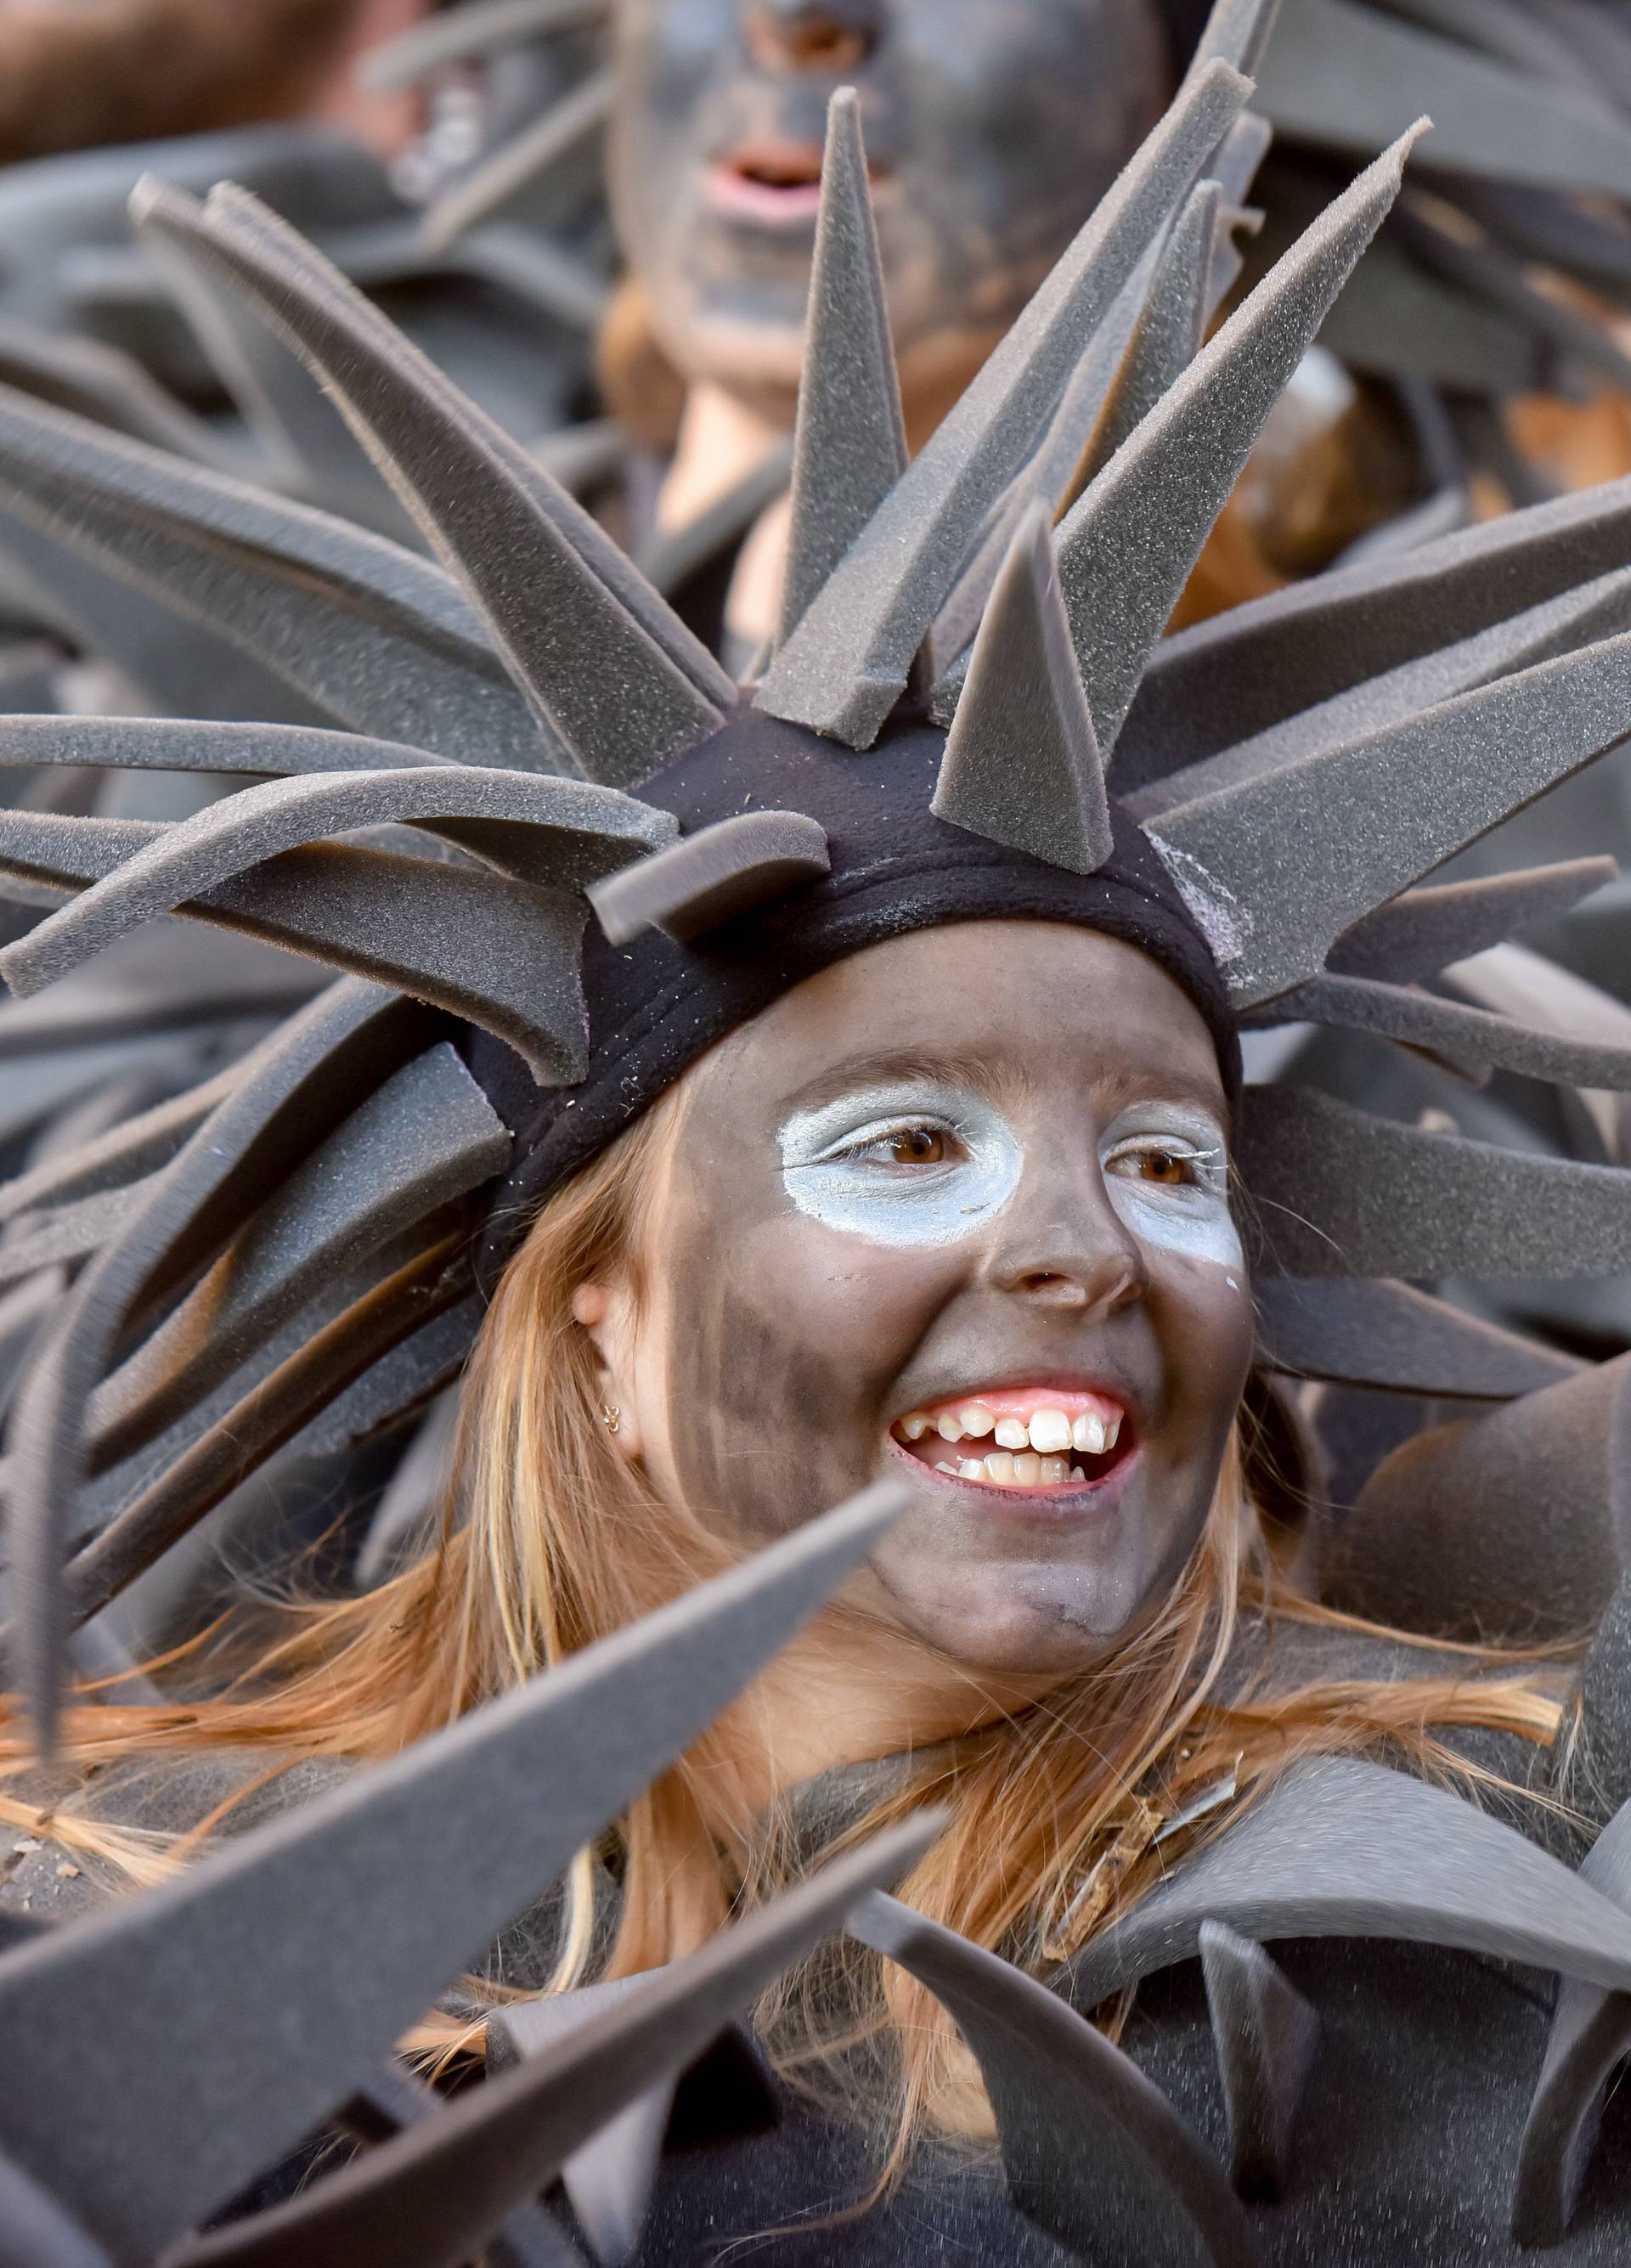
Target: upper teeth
x: 1049, y: 1432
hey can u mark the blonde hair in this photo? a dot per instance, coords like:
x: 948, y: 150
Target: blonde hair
x: 551, y: 1541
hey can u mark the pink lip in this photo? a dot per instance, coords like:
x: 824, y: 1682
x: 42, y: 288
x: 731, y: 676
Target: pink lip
x: 744, y: 196
x: 1036, y: 1504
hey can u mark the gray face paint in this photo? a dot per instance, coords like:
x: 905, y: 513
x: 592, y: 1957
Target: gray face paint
x: 843, y: 1163
x: 1190, y: 1216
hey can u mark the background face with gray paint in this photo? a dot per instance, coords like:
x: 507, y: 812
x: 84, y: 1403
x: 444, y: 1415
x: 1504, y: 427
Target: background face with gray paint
x: 992, y: 127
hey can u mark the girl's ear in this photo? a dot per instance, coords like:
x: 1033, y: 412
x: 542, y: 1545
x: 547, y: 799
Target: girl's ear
x: 608, y: 1317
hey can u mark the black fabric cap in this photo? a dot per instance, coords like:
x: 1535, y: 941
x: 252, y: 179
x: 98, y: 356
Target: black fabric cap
x: 655, y: 1006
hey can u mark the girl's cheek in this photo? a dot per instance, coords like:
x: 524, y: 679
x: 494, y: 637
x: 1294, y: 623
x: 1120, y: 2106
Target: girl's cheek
x: 1205, y: 1231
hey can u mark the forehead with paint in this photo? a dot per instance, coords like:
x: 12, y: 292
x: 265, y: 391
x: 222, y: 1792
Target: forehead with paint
x: 991, y: 132
x: 957, y: 1212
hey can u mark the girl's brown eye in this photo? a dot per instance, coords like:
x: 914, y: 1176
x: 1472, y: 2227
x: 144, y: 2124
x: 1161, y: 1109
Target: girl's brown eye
x: 919, y: 1145
x: 1165, y: 1166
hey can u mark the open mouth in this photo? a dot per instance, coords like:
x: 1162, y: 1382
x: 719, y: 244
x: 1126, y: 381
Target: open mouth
x: 773, y: 183
x: 1036, y: 1439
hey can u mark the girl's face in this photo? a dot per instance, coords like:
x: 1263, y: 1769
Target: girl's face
x: 954, y: 1213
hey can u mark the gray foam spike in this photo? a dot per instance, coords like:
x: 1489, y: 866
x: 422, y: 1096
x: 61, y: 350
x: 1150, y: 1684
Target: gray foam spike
x: 846, y: 664
x: 1589, y: 2038
x: 1021, y: 764
x: 102, y: 382
x: 171, y: 2069
x: 1249, y: 669
x: 1510, y: 32
x: 1579, y: 617
x: 1289, y: 861
x: 1170, y: 328
x: 499, y: 954
x: 712, y: 876
x: 1340, y: 1847
x: 1348, y: 78
x: 210, y: 1464
x: 1239, y: 31
x: 1471, y: 1041
x: 850, y: 442
x: 431, y: 2197
x: 1265, y: 2035
x: 565, y: 136
x: 1090, y: 2146
x: 429, y: 1135
x: 1425, y: 930
x: 302, y: 1080
x: 483, y: 502
x: 1513, y: 1525
x: 1342, y: 1193
x: 1174, y: 475
x: 376, y: 639
x: 477, y: 29
x: 36, y: 2231
x: 554, y: 832
x: 1360, y: 1332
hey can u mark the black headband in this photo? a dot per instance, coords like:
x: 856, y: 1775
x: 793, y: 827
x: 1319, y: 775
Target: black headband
x: 654, y: 1006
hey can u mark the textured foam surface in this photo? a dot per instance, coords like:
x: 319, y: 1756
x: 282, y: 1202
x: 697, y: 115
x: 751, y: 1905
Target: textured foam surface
x: 1512, y: 1525
x: 1266, y: 2036
x: 1300, y: 856
x: 1339, y: 1847
x: 560, y: 140
x: 1252, y: 667
x: 1469, y: 1040
x: 1423, y: 931
x: 171, y: 744
x: 1021, y: 764
x: 1088, y: 2142
x: 623, y: 703
x: 1358, y: 1332
x: 707, y: 877
x: 847, y: 663
x: 514, y: 1788
x: 1175, y: 475
x: 1342, y: 1193
x: 476, y: 29
x: 850, y: 448
x: 1171, y: 324
x: 375, y: 638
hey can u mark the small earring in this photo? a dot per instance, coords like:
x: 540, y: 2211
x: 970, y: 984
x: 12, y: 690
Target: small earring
x: 612, y: 1416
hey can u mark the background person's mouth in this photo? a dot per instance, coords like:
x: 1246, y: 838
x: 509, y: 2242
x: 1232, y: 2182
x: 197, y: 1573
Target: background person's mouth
x: 770, y: 183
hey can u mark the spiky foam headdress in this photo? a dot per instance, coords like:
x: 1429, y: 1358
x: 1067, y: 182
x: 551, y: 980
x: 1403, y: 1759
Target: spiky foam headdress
x: 967, y: 710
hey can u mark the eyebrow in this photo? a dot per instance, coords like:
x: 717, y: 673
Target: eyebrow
x: 998, y: 1082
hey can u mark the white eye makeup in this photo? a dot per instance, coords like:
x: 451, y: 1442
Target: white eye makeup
x: 909, y: 1163
x: 1166, y: 1170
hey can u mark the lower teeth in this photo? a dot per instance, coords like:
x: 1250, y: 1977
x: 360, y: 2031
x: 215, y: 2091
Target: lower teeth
x: 1004, y: 1469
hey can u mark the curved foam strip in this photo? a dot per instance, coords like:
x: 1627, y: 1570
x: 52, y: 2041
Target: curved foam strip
x: 477, y: 29
x: 412, y: 1497
x: 710, y: 877
x: 499, y: 954
x: 158, y: 981
x: 1127, y: 546
x: 1577, y: 339
x: 1514, y: 1526
x: 1422, y: 932
x: 1022, y: 763
x: 35, y: 2230
x: 565, y: 136
x: 1265, y: 2035
x: 1470, y: 1040
x: 1339, y: 1847
x: 99, y: 382
x: 850, y: 440
x: 555, y: 832
x: 125, y: 1153
x: 194, y: 2068
x: 402, y: 1382
x: 1580, y: 616
x: 251, y: 1431
x: 1089, y: 2143
x: 1300, y: 856
x: 619, y: 678
x: 1589, y: 2038
x: 428, y: 1135
x: 24, y: 1313
x: 71, y: 1232
x: 308, y: 1076
x: 1248, y: 669
x: 1361, y: 1332
x: 1511, y: 33
x: 175, y: 744
x: 375, y: 638
x: 845, y: 666
x: 1349, y: 77
x: 1343, y: 1193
